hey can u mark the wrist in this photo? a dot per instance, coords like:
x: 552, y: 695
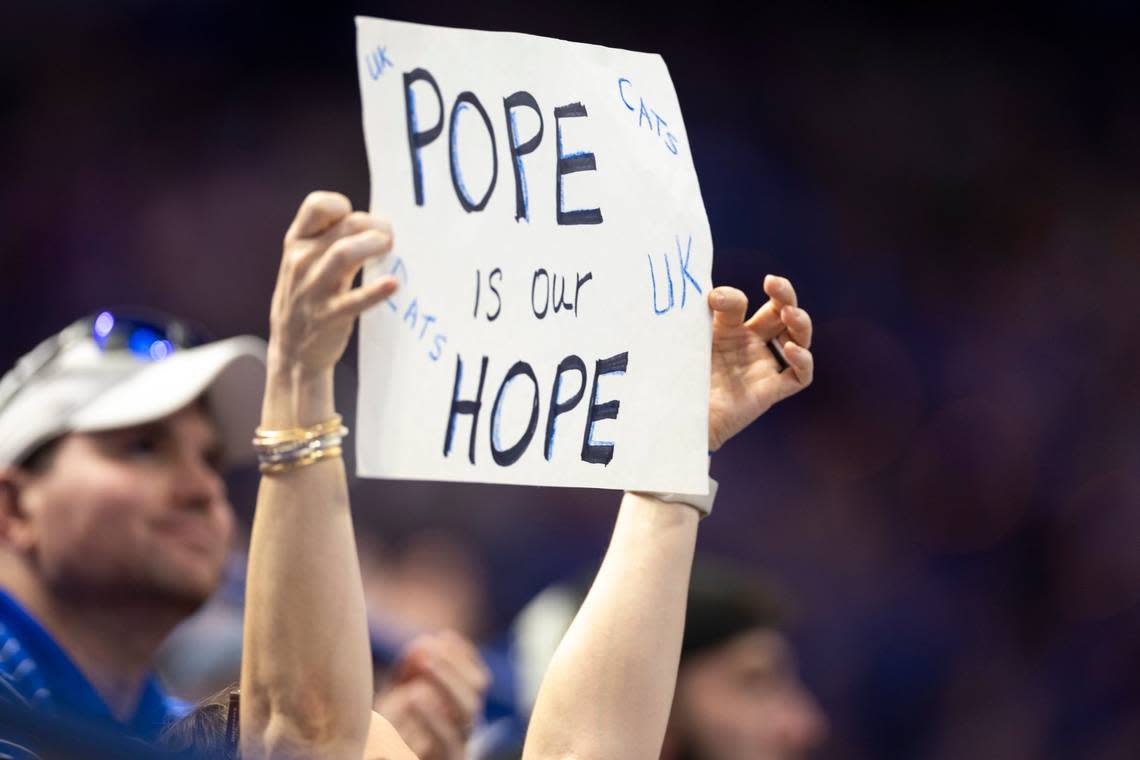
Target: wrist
x: 702, y: 503
x: 296, y: 396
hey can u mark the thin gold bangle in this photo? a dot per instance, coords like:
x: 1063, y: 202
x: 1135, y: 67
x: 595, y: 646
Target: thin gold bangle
x: 265, y: 436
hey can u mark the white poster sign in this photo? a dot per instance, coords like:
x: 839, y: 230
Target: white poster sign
x: 554, y: 259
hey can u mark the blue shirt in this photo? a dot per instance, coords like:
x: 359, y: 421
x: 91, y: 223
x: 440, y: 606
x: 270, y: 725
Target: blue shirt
x: 36, y: 668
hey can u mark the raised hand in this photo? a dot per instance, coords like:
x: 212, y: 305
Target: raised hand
x: 747, y: 378
x: 314, y: 303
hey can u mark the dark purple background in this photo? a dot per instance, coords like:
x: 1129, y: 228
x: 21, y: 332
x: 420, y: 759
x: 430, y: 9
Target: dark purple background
x: 955, y: 504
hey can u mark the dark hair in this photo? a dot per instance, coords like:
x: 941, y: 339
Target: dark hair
x: 725, y: 601
x: 41, y: 457
x: 208, y: 732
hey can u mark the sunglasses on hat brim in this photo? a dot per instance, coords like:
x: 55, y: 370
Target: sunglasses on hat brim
x: 147, y: 336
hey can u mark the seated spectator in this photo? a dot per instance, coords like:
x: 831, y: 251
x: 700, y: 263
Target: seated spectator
x: 114, y: 523
x: 738, y: 694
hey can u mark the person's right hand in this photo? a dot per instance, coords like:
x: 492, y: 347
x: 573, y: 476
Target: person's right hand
x: 314, y: 303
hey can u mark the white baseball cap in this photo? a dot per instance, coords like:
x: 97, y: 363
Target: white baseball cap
x: 115, y: 370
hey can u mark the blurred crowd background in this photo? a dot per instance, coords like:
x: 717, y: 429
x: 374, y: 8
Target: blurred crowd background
x: 954, y: 506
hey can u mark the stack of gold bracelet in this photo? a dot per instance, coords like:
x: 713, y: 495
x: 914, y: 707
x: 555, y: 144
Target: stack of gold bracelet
x: 284, y: 450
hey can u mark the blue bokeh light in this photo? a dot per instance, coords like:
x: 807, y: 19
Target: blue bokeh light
x: 160, y: 349
x: 104, y: 323
x: 140, y: 341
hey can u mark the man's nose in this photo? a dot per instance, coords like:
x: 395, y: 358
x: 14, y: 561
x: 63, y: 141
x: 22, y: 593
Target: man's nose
x: 804, y: 725
x: 197, y: 484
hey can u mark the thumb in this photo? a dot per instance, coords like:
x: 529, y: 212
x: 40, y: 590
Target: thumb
x: 729, y: 306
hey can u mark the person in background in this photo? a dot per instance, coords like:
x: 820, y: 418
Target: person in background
x: 115, y: 524
x: 738, y: 694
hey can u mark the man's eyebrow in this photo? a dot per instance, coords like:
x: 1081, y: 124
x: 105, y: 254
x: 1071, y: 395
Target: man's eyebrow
x: 146, y: 428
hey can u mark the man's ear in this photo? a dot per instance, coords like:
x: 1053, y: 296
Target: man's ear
x: 16, y: 532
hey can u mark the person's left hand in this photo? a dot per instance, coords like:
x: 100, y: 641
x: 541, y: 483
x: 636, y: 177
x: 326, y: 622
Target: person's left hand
x: 746, y: 377
x: 436, y: 694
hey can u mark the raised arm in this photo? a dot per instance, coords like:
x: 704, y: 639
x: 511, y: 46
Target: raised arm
x: 306, y: 679
x: 609, y: 688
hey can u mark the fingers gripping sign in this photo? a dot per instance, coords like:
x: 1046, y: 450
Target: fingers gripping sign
x: 319, y: 211
x: 314, y: 304
x: 747, y: 376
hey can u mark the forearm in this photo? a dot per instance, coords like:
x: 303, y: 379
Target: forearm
x: 306, y: 670
x: 609, y: 688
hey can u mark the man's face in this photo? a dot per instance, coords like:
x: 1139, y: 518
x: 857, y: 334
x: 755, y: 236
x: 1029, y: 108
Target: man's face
x: 138, y: 512
x: 743, y: 701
